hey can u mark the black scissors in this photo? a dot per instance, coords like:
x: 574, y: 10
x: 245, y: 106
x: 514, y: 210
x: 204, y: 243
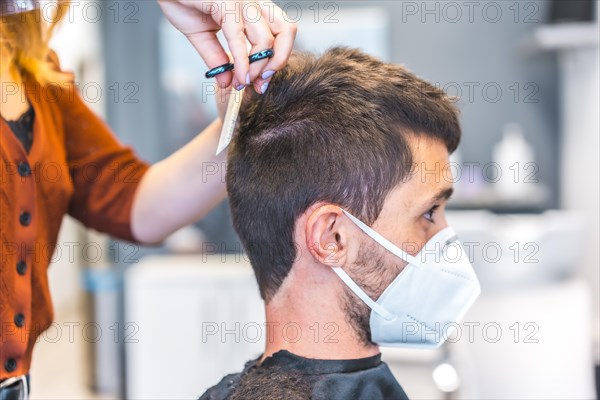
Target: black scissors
x: 261, y: 55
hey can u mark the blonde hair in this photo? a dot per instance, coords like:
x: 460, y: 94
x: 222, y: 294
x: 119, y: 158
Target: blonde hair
x: 24, y: 41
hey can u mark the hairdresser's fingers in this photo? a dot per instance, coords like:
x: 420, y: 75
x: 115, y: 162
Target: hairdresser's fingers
x: 261, y: 84
x: 232, y: 25
x: 208, y: 46
x: 260, y: 37
x: 194, y: 20
x: 284, y: 30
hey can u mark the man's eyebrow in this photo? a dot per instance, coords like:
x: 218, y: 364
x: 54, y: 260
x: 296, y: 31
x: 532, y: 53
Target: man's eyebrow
x: 444, y: 194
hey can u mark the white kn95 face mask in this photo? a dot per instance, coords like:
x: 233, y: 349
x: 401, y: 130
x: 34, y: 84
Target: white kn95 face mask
x: 422, y: 306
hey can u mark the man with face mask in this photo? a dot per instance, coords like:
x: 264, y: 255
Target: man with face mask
x: 338, y: 180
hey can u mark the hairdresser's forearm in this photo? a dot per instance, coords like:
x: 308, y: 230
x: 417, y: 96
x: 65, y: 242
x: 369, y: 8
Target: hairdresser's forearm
x: 180, y: 189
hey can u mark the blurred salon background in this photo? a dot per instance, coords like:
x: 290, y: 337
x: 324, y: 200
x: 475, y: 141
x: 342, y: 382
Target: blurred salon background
x: 168, y: 322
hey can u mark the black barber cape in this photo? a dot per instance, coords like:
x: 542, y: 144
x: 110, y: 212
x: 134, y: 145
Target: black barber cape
x: 287, y: 376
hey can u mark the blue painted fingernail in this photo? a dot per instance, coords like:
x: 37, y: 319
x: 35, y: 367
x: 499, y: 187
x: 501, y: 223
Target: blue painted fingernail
x: 267, y: 74
x: 248, y: 78
x: 239, y: 87
x: 264, y: 87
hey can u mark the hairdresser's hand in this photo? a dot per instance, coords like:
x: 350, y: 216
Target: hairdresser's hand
x: 261, y: 22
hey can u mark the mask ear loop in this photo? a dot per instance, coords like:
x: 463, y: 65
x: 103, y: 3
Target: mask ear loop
x: 389, y: 246
x: 362, y: 295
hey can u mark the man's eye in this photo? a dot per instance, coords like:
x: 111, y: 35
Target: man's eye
x: 429, y: 214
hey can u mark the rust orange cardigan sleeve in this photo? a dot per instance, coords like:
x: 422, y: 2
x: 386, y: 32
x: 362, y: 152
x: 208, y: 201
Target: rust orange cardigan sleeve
x: 105, y: 173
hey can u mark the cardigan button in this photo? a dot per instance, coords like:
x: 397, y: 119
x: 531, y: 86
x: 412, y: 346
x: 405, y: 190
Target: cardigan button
x: 21, y: 267
x: 10, y: 365
x: 24, y: 169
x: 25, y: 218
x: 19, y: 320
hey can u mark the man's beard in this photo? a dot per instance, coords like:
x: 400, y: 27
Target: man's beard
x: 358, y: 316
x: 373, y: 275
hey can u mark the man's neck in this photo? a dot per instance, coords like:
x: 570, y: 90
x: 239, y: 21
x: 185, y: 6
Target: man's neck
x: 310, y: 322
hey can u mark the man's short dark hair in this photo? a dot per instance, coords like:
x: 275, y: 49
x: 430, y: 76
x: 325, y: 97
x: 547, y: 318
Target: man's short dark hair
x: 331, y: 128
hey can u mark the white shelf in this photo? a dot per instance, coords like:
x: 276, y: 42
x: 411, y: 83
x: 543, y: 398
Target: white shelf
x: 567, y: 35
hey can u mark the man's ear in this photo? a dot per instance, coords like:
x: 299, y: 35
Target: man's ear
x: 326, y: 235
